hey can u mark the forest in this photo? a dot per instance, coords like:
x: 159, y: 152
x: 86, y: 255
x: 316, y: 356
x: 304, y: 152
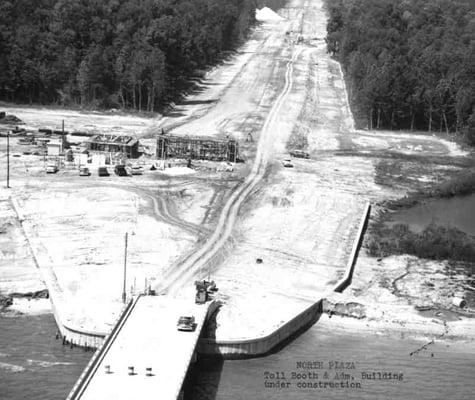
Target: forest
x: 131, y: 54
x: 409, y: 64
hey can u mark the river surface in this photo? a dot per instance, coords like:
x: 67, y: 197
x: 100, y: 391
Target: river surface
x: 33, y: 365
x: 458, y: 212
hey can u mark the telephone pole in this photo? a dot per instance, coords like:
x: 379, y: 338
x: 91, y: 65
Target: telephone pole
x: 8, y: 159
x: 124, y: 295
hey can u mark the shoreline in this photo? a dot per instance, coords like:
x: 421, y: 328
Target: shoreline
x: 27, y: 307
x: 423, y: 329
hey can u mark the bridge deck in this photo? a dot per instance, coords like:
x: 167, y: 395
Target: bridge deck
x: 148, y: 338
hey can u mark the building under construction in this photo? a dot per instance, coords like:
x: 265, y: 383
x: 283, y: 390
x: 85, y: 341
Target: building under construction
x: 125, y: 145
x: 196, y: 148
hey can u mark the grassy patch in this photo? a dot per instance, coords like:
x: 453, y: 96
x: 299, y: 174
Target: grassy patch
x: 461, y: 184
x: 435, y: 242
x: 297, y: 141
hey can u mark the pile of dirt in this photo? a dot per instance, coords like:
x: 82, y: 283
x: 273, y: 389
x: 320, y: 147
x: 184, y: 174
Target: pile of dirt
x: 5, y: 301
x: 5, y: 226
x: 350, y: 309
x: 9, y: 119
x: 266, y: 14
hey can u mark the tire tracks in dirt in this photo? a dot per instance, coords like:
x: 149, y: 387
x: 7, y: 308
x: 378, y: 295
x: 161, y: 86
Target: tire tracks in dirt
x: 184, y: 272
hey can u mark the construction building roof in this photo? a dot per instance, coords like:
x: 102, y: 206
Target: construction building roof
x: 195, y: 138
x: 114, y: 139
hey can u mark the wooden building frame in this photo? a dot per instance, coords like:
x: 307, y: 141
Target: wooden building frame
x: 196, y: 148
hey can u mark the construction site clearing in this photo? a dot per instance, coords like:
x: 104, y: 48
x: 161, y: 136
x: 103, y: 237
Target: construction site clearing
x: 274, y: 238
x: 64, y: 150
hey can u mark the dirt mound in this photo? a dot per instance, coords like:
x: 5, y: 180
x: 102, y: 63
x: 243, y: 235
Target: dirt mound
x: 10, y: 120
x: 350, y: 309
x: 5, y: 301
x: 266, y: 14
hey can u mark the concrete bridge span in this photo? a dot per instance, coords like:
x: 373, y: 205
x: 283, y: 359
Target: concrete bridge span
x: 144, y: 354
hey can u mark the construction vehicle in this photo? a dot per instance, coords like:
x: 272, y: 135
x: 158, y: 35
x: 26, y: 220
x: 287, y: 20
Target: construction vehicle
x: 201, y: 296
x: 203, y: 290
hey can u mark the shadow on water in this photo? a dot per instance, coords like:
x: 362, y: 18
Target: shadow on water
x: 207, y: 372
x: 203, y: 378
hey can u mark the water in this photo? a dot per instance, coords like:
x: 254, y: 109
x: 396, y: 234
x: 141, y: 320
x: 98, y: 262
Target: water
x: 33, y: 364
x: 440, y: 372
x: 458, y: 212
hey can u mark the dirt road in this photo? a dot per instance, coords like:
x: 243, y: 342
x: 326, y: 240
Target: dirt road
x: 182, y: 275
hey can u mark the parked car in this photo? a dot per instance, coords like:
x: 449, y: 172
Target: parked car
x: 102, y: 171
x: 299, y: 154
x: 186, y: 323
x: 51, y: 168
x: 136, y: 170
x: 84, y: 171
x: 120, y: 170
x: 287, y: 163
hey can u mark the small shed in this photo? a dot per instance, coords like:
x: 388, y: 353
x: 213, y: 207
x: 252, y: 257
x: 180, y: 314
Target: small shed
x: 55, y: 147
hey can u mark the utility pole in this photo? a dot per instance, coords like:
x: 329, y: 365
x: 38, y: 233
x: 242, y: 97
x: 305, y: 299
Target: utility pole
x: 124, y: 295
x: 8, y: 159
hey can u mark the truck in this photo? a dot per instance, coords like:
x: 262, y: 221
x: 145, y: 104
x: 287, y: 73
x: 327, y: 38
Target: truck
x: 203, y: 289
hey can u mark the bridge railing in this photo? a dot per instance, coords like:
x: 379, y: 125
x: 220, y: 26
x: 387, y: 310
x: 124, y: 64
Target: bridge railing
x: 96, y: 359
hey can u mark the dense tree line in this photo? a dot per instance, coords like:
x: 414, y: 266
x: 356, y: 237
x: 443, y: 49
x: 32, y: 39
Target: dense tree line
x: 112, y: 53
x: 409, y: 63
